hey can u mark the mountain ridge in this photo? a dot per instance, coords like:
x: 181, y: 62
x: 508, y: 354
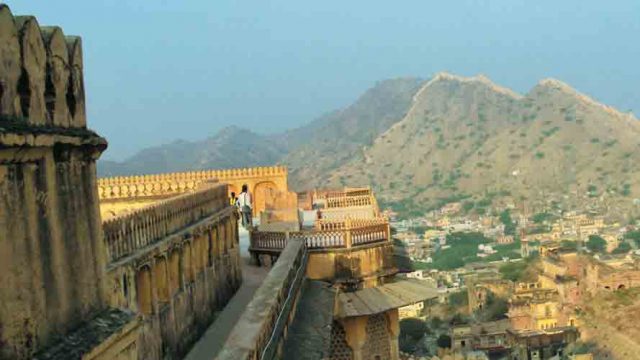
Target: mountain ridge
x: 453, y: 136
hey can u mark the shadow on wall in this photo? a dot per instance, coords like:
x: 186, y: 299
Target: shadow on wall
x: 348, y: 270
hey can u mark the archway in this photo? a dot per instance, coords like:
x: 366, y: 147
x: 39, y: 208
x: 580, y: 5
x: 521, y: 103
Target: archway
x: 261, y: 192
x: 162, y: 283
x: 187, y: 269
x: 143, y: 289
x: 174, y: 271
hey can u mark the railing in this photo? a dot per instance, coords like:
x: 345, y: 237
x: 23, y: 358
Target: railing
x: 369, y: 234
x: 340, y: 224
x: 125, y: 234
x: 262, y: 328
x: 174, y: 183
x: 349, y: 201
x: 364, y: 191
x: 340, y: 214
x: 321, y: 239
x: 355, y: 235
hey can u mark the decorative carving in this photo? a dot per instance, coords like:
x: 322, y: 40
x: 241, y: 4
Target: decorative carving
x: 41, y: 73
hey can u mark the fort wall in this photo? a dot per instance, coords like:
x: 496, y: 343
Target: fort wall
x: 260, y: 181
x: 262, y: 328
x: 52, y: 265
x: 175, y: 263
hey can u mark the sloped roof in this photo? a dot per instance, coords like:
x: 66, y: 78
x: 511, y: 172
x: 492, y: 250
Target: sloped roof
x: 382, y: 298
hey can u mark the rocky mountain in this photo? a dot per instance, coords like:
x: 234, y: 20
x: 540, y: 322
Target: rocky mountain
x: 468, y: 137
x: 327, y: 143
x: 230, y: 147
x: 421, y: 144
x: 316, y: 148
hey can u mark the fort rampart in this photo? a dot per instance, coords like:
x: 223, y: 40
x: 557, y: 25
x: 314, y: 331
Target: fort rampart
x: 259, y: 180
x: 175, y: 263
x: 262, y: 328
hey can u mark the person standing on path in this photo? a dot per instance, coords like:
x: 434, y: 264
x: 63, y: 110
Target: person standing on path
x: 244, y: 204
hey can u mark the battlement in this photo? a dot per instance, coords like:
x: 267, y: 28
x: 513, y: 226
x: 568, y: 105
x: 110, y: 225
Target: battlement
x: 41, y: 75
x: 122, y: 187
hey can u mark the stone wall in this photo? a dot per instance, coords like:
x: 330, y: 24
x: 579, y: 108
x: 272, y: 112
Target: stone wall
x: 360, y: 266
x: 175, y: 263
x: 262, y: 328
x: 259, y: 180
x: 126, y: 234
x: 52, y: 266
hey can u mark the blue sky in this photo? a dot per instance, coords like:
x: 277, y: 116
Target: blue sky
x: 156, y: 70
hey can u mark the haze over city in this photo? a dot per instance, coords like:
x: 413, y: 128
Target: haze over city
x: 158, y: 71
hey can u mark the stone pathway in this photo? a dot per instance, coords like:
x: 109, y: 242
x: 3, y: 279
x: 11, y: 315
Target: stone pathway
x: 214, y: 338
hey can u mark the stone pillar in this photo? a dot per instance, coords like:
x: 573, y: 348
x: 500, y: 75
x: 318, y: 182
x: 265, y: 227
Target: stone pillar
x: 347, y: 233
x: 393, y: 323
x: 355, y: 329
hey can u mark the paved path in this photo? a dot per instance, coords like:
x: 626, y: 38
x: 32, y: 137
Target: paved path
x: 214, y: 338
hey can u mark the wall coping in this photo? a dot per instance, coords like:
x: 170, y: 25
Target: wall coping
x: 253, y: 331
x: 221, y: 174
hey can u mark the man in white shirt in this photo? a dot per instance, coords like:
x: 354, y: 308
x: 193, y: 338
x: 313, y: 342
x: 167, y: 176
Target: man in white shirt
x: 244, y: 205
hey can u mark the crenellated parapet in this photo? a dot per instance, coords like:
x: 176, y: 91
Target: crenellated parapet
x: 123, y: 187
x: 41, y: 74
x: 51, y: 231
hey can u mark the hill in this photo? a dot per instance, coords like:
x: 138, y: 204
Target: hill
x: 470, y: 138
x: 230, y: 147
x: 421, y: 144
x: 313, y: 149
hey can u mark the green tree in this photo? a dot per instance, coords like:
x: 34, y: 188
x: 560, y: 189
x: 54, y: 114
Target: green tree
x: 539, y: 218
x: 444, y: 341
x: 622, y: 248
x: 569, y: 245
x: 633, y: 235
x: 458, y: 299
x: 596, y: 244
x: 413, y: 327
x: 436, y: 322
x: 513, y: 271
x: 411, y: 331
x: 509, y: 225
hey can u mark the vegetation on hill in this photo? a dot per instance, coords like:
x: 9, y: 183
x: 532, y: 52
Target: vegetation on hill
x: 596, y: 244
x: 463, y: 249
x: 521, y: 271
x: 424, y: 144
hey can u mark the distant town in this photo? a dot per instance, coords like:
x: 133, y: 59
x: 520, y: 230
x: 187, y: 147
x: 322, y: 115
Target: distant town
x: 517, y: 284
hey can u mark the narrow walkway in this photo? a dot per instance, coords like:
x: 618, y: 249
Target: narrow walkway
x: 214, y: 338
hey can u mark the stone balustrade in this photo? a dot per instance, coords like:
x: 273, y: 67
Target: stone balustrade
x: 353, y: 232
x: 125, y: 234
x: 262, y: 328
x: 123, y: 187
x: 340, y: 224
x: 346, y: 192
x: 349, y: 201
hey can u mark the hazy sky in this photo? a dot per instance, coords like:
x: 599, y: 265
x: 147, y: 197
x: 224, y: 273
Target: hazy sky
x: 158, y: 70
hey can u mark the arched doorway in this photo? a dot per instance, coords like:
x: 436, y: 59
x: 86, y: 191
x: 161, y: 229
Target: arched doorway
x: 143, y: 290
x: 261, y: 192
